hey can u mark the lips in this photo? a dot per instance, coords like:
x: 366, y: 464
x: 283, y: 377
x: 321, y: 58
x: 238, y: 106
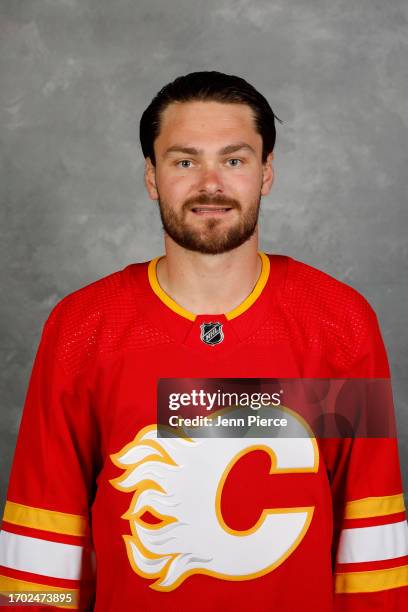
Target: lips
x: 211, y: 209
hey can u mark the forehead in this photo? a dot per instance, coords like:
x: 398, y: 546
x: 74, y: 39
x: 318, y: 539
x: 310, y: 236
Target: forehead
x: 199, y: 122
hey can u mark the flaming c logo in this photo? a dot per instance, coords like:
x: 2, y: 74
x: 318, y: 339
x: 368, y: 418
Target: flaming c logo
x: 179, y: 482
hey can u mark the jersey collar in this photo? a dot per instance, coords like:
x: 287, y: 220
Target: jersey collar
x: 235, y: 312
x: 184, y: 327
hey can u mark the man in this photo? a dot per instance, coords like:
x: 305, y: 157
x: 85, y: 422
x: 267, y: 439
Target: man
x: 179, y: 523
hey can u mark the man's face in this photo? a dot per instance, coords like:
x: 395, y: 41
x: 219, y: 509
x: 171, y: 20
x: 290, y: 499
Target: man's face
x: 209, y: 176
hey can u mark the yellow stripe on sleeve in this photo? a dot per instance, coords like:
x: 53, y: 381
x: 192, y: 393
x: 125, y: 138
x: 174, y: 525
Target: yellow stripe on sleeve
x: 371, y: 581
x: 46, y: 520
x: 374, y: 506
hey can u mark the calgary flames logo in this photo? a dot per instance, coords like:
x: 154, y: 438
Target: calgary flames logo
x: 178, y: 481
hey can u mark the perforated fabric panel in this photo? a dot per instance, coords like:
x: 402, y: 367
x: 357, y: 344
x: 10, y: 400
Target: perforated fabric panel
x: 317, y: 312
x: 313, y: 312
x: 101, y: 318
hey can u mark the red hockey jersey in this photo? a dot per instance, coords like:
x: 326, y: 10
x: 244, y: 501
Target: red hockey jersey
x: 101, y: 508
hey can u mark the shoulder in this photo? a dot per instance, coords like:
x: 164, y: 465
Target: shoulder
x: 322, y: 294
x: 101, y: 317
x: 329, y: 314
x: 96, y: 299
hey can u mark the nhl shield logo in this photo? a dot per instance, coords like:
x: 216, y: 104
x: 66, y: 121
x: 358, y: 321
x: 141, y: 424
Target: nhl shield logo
x: 211, y: 333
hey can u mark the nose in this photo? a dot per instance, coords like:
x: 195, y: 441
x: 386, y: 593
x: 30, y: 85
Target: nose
x: 210, y: 181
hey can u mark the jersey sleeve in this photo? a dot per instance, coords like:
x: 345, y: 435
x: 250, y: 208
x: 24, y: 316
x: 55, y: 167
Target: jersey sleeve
x: 45, y: 540
x: 370, y: 543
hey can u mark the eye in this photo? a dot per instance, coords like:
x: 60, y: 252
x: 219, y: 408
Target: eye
x: 184, y: 163
x: 234, y: 162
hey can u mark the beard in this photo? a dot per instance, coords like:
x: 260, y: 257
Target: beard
x: 210, y: 238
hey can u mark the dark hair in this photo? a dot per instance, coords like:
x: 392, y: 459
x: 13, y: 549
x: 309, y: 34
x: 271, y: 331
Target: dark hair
x: 208, y: 86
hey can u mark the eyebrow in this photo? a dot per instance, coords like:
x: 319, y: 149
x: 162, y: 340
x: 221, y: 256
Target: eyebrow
x: 232, y: 148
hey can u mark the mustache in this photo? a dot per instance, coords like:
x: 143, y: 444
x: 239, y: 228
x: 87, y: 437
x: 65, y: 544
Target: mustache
x: 204, y: 198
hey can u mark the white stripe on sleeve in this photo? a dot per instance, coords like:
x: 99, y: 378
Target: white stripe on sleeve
x: 373, y: 543
x: 40, y: 556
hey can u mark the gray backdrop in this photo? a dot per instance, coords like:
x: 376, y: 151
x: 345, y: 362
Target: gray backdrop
x: 75, y: 76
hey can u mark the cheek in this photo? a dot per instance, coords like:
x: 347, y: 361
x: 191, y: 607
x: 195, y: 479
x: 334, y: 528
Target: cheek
x: 174, y: 186
x: 247, y: 184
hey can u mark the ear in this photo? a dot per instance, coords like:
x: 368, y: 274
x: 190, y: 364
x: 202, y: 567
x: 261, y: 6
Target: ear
x: 267, y: 175
x: 150, y: 179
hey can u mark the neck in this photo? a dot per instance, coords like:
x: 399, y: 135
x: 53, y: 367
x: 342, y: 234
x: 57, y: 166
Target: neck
x: 209, y: 284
